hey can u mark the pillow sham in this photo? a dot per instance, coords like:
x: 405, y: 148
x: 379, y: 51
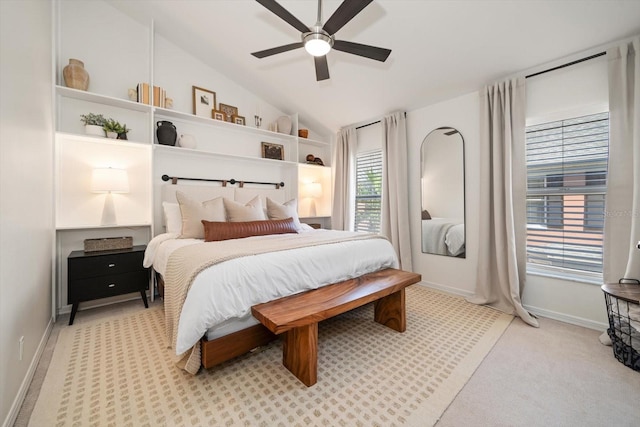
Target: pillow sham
x: 194, y: 211
x: 216, y: 231
x: 237, y: 212
x: 289, y: 209
x: 172, y: 217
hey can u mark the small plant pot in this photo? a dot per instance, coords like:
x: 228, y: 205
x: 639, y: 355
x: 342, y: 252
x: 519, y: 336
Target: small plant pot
x: 94, y: 130
x: 122, y: 136
x: 112, y: 135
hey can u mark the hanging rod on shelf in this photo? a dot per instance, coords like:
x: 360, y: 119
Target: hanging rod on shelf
x: 174, y: 180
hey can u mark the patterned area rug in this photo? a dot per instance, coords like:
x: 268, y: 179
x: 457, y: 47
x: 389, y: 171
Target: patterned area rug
x: 117, y: 372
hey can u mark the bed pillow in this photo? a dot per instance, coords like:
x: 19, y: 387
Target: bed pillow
x: 237, y: 212
x: 194, y: 211
x: 216, y: 231
x: 172, y: 217
x: 289, y: 209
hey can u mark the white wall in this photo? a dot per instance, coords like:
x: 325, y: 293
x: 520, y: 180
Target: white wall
x: 26, y: 159
x: 449, y: 273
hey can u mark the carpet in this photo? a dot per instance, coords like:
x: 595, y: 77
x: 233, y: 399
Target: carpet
x: 117, y: 372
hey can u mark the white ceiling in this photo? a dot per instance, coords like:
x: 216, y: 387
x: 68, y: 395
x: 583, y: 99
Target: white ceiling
x: 440, y: 48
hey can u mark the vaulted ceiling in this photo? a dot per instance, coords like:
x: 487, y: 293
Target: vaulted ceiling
x: 440, y: 48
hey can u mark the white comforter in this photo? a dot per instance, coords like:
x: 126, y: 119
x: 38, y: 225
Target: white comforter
x: 228, y: 290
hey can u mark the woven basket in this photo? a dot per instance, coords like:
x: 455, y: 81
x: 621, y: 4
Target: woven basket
x: 108, y: 244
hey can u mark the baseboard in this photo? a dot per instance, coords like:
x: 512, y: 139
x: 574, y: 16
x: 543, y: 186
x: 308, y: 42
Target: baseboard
x: 567, y: 318
x: 24, y: 387
x: 446, y: 289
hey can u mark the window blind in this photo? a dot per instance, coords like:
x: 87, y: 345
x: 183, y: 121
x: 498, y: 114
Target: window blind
x: 368, y: 191
x: 566, y: 184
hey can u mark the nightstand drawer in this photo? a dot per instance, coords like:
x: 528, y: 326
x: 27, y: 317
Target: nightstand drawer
x: 107, y: 286
x: 105, y: 264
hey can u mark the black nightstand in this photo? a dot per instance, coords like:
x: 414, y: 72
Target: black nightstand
x: 94, y: 275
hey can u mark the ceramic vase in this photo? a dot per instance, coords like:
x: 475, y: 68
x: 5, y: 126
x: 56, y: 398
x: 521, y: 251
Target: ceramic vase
x: 187, y: 141
x: 75, y: 76
x: 166, y: 133
x: 94, y: 130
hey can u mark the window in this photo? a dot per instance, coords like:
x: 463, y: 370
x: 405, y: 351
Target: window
x: 368, y: 191
x: 566, y: 184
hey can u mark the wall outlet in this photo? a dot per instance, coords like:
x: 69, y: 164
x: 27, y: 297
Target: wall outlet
x: 21, y: 346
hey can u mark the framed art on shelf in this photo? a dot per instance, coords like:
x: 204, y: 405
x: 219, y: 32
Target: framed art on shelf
x: 229, y: 110
x: 239, y: 120
x: 272, y: 151
x: 218, y: 115
x: 204, y: 101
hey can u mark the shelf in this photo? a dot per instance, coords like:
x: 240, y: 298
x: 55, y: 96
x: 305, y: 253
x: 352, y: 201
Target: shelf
x: 173, y: 149
x: 99, y: 140
x: 102, y: 99
x: 186, y: 117
x: 313, y: 142
x: 95, y: 227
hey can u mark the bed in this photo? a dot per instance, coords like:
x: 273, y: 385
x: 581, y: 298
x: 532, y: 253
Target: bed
x: 209, y: 319
x: 443, y: 236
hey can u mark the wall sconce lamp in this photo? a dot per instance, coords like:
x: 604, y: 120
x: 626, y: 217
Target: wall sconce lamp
x: 109, y: 180
x: 312, y: 190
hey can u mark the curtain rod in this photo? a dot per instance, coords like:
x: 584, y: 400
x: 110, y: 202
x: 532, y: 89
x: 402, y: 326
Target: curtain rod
x: 577, y: 61
x: 174, y: 181
x: 373, y: 123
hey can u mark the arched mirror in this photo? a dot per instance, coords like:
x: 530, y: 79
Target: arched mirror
x: 442, y: 186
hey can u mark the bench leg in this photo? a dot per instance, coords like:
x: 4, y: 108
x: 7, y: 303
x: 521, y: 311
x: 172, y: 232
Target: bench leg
x: 390, y: 311
x: 300, y: 353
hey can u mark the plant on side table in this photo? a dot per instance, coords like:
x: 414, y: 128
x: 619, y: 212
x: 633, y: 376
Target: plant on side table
x: 93, y: 124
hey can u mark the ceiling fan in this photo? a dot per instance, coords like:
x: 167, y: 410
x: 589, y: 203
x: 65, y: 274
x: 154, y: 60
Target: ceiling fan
x: 319, y: 39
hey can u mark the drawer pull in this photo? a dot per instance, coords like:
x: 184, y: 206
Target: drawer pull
x: 112, y: 285
x: 111, y: 265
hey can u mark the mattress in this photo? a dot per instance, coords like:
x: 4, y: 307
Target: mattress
x: 220, y: 299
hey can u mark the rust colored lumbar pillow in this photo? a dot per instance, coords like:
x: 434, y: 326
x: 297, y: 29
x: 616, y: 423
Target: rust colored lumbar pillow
x: 215, y: 231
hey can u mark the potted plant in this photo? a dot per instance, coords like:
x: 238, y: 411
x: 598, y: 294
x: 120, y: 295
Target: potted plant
x: 112, y: 128
x: 93, y: 123
x: 123, y: 134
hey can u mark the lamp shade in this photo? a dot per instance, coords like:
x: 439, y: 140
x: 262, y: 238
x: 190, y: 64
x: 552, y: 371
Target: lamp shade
x: 109, y: 180
x: 312, y: 189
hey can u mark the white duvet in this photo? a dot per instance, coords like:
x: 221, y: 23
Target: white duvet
x: 228, y: 290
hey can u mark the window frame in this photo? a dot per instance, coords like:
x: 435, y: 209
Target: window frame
x: 368, y: 198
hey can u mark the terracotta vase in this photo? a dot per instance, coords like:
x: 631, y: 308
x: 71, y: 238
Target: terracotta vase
x: 75, y: 76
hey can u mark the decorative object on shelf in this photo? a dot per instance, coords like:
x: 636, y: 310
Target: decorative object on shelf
x: 284, y: 125
x: 311, y: 159
x: 229, y: 110
x: 273, y: 127
x: 204, y: 101
x: 109, y: 180
x: 239, y: 120
x: 93, y: 124
x: 219, y: 115
x: 303, y: 133
x: 108, y: 244
x: 143, y: 95
x: 258, y: 121
x: 123, y: 134
x: 168, y: 103
x: 132, y: 94
x: 113, y: 129
x: 75, y: 76
x: 187, y: 141
x: 166, y: 133
x: 272, y: 151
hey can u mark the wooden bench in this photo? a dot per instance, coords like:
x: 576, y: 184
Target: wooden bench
x: 297, y: 316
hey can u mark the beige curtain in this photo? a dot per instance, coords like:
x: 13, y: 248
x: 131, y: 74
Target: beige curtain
x: 395, y: 199
x: 622, y: 215
x: 344, y: 161
x: 503, y: 179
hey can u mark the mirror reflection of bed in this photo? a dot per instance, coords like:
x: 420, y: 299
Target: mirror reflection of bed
x: 442, y: 187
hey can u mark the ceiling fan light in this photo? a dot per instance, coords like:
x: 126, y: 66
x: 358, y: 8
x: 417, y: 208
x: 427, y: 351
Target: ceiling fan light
x: 317, y: 47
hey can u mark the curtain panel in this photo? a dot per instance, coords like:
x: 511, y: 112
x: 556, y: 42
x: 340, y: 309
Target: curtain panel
x: 344, y: 161
x: 622, y: 201
x: 395, y: 185
x: 503, y: 179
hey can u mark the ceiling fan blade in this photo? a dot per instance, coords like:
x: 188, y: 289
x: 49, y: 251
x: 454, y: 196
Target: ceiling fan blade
x: 371, y: 52
x: 343, y: 14
x: 275, y: 50
x: 284, y: 14
x: 322, y: 68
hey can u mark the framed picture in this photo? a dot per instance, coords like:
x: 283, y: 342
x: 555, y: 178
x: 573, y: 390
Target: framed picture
x: 239, y: 120
x: 229, y: 110
x: 272, y: 151
x: 218, y: 115
x: 203, y: 101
